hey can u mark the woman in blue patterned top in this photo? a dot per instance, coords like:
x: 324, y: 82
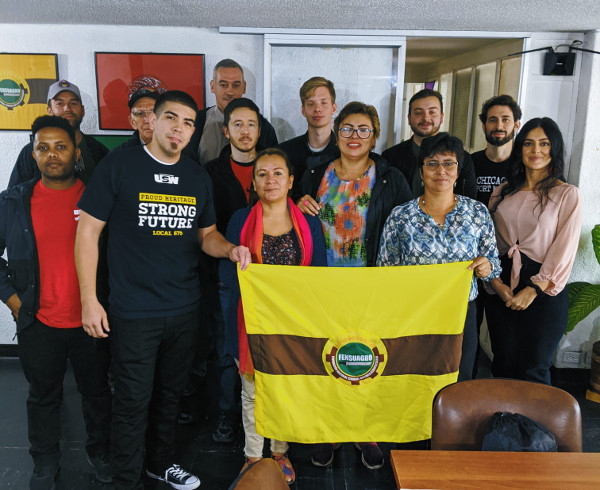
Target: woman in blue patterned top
x: 440, y: 227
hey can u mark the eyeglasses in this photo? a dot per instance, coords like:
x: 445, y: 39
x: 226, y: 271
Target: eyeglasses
x: 141, y: 114
x: 362, y: 133
x: 435, y: 164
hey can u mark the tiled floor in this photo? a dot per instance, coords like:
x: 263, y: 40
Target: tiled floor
x: 216, y: 464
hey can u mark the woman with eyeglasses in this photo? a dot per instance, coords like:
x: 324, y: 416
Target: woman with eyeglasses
x: 538, y: 223
x: 353, y: 195
x: 441, y: 227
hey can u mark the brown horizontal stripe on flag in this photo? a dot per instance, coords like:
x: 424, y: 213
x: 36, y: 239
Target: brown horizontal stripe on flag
x: 428, y: 355
x: 39, y: 90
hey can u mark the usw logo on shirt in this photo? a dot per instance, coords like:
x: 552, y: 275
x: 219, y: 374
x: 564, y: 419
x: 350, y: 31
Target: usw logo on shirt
x: 166, y: 179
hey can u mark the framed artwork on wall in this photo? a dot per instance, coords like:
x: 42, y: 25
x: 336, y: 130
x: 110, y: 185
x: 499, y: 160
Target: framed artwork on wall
x: 118, y: 75
x: 24, y: 83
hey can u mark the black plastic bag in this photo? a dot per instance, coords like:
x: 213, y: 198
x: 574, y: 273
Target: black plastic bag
x: 507, y: 431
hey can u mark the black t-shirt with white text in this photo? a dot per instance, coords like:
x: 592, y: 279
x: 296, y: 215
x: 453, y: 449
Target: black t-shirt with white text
x: 153, y: 212
x: 489, y: 175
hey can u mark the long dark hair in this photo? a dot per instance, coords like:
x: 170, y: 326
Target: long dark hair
x: 516, y: 171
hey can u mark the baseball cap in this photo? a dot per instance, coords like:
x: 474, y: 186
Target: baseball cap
x: 61, y: 86
x: 141, y: 93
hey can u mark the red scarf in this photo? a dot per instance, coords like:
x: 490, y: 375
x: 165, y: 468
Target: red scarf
x: 252, y: 237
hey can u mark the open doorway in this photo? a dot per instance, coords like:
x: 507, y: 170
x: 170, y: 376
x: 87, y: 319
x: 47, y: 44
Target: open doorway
x: 467, y: 72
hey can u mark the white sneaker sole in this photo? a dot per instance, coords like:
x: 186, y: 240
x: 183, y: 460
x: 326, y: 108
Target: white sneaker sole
x: 186, y: 486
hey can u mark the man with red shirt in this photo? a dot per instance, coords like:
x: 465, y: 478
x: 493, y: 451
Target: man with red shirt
x: 231, y: 175
x: 38, y: 221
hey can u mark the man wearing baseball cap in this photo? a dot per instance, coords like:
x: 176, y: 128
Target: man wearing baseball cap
x: 141, y: 105
x: 64, y: 100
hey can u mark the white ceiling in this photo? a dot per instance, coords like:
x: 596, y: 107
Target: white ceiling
x: 468, y: 15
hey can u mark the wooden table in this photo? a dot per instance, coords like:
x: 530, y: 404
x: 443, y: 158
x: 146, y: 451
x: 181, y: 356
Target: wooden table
x: 493, y: 470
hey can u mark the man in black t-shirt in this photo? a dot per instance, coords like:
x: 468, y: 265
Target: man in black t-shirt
x: 500, y: 119
x: 318, y: 145
x: 159, y: 209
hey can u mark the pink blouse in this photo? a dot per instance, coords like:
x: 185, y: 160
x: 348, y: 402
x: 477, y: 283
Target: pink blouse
x: 549, y: 237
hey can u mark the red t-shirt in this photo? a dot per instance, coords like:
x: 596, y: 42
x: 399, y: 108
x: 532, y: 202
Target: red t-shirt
x: 55, y: 214
x: 243, y: 172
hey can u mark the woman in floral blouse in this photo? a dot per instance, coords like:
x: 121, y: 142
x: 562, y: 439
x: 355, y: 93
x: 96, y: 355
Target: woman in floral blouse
x: 353, y: 195
x: 440, y: 227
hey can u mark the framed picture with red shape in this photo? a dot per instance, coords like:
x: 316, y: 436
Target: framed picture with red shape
x: 118, y: 75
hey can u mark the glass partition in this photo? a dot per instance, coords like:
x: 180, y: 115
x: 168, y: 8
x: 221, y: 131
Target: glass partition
x: 373, y: 74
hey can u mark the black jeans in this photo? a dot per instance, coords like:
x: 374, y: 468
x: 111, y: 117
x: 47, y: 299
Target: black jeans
x: 151, y: 362
x: 469, y: 344
x: 524, y: 341
x: 43, y: 352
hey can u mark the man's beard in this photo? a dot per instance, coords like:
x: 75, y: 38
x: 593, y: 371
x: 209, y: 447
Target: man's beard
x: 434, y: 130
x: 499, y: 141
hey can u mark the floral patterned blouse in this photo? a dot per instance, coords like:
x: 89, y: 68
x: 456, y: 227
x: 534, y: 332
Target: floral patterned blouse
x: 412, y: 237
x: 281, y: 250
x: 344, y: 216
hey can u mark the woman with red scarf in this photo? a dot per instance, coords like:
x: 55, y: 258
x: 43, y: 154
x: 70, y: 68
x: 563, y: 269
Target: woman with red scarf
x: 276, y: 232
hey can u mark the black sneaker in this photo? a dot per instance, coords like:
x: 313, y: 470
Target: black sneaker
x: 372, y: 457
x: 102, y: 468
x: 43, y: 477
x: 177, y: 477
x: 226, y: 428
x: 322, y: 454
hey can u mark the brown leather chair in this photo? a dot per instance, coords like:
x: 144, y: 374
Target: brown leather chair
x: 262, y: 475
x: 461, y: 411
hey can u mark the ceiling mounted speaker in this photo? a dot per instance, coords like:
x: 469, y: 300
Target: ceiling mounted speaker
x: 559, y: 63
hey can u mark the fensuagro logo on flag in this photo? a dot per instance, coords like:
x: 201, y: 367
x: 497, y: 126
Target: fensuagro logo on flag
x: 354, y: 359
x: 13, y: 93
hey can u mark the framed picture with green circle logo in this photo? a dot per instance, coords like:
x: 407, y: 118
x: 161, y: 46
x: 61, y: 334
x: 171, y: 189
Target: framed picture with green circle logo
x: 24, y: 83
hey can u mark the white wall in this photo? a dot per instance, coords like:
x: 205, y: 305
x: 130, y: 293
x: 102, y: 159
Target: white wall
x: 75, y: 46
x: 585, y: 173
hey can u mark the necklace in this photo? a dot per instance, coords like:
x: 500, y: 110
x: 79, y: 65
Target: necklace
x: 440, y: 225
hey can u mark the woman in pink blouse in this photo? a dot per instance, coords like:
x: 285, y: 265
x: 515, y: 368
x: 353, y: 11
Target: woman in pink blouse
x: 538, y: 222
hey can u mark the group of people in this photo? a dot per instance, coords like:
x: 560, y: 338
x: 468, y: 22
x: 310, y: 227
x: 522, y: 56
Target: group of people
x: 149, y: 221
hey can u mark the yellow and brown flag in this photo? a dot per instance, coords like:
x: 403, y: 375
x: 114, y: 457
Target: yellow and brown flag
x: 352, y: 354
x: 24, y: 83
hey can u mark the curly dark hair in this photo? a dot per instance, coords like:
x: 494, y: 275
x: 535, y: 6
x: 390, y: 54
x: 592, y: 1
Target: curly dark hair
x: 516, y: 172
x: 504, y: 99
